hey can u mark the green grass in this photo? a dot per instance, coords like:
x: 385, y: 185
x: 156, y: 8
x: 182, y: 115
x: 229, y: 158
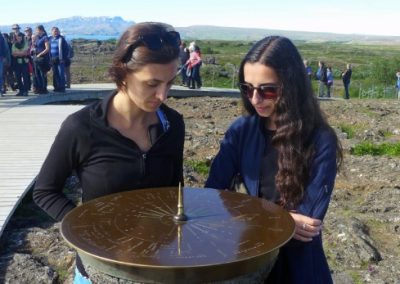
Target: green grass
x: 374, y: 65
x: 63, y: 274
x: 201, y: 167
x: 386, y: 133
x: 350, y: 130
x: 368, y: 148
x: 355, y: 275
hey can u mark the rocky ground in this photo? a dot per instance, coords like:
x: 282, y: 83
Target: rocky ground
x: 362, y: 227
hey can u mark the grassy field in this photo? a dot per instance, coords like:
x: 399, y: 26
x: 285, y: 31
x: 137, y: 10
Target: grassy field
x: 374, y: 65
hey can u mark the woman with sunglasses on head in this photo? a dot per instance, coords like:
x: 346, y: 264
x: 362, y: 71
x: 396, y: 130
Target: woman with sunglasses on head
x: 284, y: 151
x: 127, y: 141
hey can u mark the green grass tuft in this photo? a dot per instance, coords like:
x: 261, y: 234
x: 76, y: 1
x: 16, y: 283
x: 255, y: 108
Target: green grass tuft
x: 368, y: 148
x: 355, y: 275
x: 201, y: 167
x: 348, y: 129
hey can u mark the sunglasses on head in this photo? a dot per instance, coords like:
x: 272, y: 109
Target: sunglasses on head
x: 265, y: 91
x: 155, y: 41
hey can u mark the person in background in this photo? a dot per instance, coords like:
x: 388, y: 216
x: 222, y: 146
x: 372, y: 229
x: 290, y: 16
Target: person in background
x: 184, y: 55
x: 12, y: 76
x: 41, y: 59
x: 129, y: 140
x: 329, y: 82
x: 308, y: 68
x: 8, y: 72
x: 58, y: 55
x: 193, y: 64
x: 284, y: 151
x: 67, y: 65
x: 4, y: 61
x: 346, y: 77
x: 398, y: 84
x: 28, y: 39
x: 322, y: 78
x: 20, y: 52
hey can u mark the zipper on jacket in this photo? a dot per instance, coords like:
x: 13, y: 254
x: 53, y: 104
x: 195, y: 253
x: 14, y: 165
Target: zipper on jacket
x: 258, y: 188
x: 143, y: 160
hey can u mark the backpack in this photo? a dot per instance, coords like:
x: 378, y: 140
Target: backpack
x: 70, y: 50
x: 324, y: 77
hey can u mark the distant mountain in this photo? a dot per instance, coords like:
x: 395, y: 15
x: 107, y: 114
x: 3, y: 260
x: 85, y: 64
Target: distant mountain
x: 250, y: 34
x: 111, y: 26
x: 114, y: 26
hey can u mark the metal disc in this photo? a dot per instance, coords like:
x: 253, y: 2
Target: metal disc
x: 133, y: 235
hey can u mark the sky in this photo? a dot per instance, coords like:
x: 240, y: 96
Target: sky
x: 371, y: 17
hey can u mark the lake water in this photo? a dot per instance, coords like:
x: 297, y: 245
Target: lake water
x: 91, y: 37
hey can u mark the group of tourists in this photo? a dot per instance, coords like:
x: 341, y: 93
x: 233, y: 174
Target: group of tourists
x: 26, y: 58
x: 324, y: 75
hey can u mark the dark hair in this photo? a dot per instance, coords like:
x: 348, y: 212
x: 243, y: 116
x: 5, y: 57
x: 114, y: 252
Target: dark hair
x: 41, y: 28
x: 298, y: 115
x: 127, y: 59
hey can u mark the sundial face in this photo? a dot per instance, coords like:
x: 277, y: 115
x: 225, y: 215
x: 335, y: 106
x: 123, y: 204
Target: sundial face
x: 137, y: 228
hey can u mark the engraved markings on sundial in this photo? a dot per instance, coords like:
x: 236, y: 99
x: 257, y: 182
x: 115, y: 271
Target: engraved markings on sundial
x: 208, y: 222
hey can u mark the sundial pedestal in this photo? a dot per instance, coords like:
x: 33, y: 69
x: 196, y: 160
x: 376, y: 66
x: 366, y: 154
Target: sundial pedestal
x: 121, y: 275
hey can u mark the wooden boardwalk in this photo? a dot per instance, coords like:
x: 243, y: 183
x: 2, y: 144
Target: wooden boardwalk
x: 26, y: 134
x: 28, y: 128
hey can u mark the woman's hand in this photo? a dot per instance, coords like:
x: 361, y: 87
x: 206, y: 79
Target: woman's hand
x: 306, y: 227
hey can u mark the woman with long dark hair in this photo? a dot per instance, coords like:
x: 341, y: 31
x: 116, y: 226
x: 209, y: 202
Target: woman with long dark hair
x: 283, y: 150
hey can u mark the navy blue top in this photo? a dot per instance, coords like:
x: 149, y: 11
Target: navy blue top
x: 3, y: 46
x: 346, y: 76
x: 40, y: 43
x: 268, y: 168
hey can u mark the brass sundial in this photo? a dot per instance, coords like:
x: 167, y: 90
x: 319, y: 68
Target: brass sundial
x: 137, y: 234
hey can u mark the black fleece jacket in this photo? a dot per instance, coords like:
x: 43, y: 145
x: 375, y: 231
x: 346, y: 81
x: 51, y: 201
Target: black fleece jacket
x: 105, y: 161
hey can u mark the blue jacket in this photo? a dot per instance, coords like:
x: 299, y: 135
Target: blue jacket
x: 241, y: 152
x: 3, y: 47
x: 58, y: 47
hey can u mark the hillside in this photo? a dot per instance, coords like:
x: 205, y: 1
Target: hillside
x: 114, y: 26
x: 248, y: 34
x: 82, y: 25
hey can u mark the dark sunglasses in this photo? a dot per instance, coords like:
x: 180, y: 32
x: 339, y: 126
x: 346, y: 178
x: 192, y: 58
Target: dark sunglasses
x: 266, y: 91
x: 154, y: 41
